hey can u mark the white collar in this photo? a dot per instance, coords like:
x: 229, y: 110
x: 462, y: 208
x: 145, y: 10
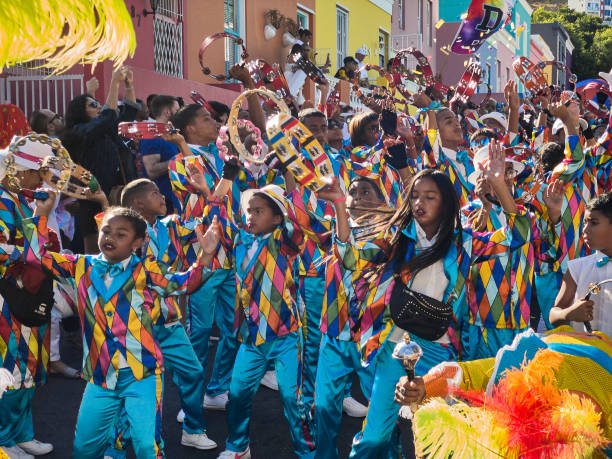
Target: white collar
x: 422, y: 241
x: 450, y: 154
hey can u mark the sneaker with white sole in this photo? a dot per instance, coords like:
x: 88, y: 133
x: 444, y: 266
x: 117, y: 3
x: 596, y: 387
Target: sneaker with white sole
x: 227, y: 454
x: 35, y: 447
x: 217, y: 402
x: 353, y: 408
x: 180, y: 417
x: 269, y: 380
x: 198, y: 440
x: 15, y: 452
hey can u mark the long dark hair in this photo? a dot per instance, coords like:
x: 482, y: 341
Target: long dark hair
x: 76, y: 114
x: 392, y: 225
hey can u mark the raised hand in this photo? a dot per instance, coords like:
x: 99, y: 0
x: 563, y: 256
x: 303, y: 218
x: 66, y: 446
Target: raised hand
x: 97, y: 196
x: 92, y: 86
x: 331, y: 192
x: 482, y: 189
x: 511, y: 94
x: 580, y: 311
x: 196, y: 179
x: 553, y: 198
x: 174, y: 137
x: 209, y: 240
x: 44, y: 208
x: 241, y: 73
x: 495, y: 168
x: 129, y: 78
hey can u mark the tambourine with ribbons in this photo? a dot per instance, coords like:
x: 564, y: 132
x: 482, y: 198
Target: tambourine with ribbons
x: 208, y: 41
x: 59, y: 171
x: 139, y: 130
x: 468, y: 83
x: 530, y: 75
x: 425, y: 69
x: 542, y: 65
x: 309, y: 172
x: 255, y: 156
x: 268, y: 77
x: 198, y: 99
x: 309, y: 68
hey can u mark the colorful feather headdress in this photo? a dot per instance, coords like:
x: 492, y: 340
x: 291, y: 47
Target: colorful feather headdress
x: 524, y: 416
x: 64, y: 33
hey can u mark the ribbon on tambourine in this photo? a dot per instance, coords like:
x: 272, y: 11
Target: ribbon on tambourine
x: 265, y: 75
x: 59, y: 171
x: 254, y: 156
x: 468, y: 83
x: 309, y: 172
x: 530, y: 75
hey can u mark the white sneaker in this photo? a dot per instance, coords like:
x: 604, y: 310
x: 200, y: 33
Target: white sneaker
x: 353, y: 408
x: 35, y: 447
x: 15, y: 452
x: 217, y: 402
x: 246, y: 454
x: 180, y: 417
x: 269, y: 380
x: 199, y: 441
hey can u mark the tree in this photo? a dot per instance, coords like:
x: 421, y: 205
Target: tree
x: 591, y: 39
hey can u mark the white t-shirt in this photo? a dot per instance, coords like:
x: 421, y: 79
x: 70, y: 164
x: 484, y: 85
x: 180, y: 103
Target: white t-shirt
x: 584, y: 271
x: 431, y: 281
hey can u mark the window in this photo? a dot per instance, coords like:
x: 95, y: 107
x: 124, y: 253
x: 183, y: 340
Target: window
x: 488, y: 74
x: 507, y: 74
x: 383, y: 45
x: 420, y: 17
x: 303, y: 19
x: 231, y: 25
x: 499, y: 83
x: 429, y: 19
x: 168, y: 38
x: 400, y: 14
x: 341, y: 36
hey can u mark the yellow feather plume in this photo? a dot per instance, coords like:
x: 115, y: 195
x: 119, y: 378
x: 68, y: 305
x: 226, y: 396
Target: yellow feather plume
x: 64, y: 33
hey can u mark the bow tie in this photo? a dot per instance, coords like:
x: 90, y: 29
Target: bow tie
x: 248, y: 239
x: 105, y: 267
x: 463, y: 156
x: 603, y: 261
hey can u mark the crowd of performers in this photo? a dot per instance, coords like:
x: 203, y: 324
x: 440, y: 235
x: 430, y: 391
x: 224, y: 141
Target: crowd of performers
x: 506, y: 218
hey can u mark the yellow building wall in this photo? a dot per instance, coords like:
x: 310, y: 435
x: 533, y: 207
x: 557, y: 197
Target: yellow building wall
x: 365, y: 20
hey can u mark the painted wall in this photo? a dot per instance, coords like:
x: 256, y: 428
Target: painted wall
x: 365, y: 19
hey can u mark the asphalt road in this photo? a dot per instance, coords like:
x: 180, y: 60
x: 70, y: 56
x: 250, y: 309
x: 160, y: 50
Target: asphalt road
x: 56, y: 406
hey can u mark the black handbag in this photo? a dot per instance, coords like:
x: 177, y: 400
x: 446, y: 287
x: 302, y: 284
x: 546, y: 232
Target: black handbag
x: 31, y: 309
x: 419, y: 314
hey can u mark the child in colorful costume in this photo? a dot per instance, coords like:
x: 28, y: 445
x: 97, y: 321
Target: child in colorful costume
x: 122, y: 361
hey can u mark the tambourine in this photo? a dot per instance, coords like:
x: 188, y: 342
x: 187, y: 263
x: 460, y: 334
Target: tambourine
x: 536, y: 81
x: 281, y: 128
x: 531, y: 74
x: 266, y: 75
x: 426, y: 71
x: 140, y: 130
x: 257, y: 151
x: 58, y: 171
x: 594, y: 289
x: 198, y: 99
x: 15, y: 184
x: 487, y: 98
x: 312, y: 71
x: 255, y: 156
x: 208, y: 41
x: 468, y: 83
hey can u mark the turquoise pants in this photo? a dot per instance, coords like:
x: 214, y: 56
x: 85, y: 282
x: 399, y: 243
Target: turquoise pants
x: 215, y: 300
x: 547, y: 287
x: 189, y: 378
x: 379, y: 436
x: 338, y: 360
x: 475, y: 346
x: 100, y: 409
x: 251, y: 364
x: 187, y: 374
x: 16, y: 417
x: 312, y: 290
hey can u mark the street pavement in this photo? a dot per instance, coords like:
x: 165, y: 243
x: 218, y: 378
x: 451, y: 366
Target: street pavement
x: 56, y: 406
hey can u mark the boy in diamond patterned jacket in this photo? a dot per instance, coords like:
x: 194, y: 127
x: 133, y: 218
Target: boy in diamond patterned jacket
x: 122, y: 361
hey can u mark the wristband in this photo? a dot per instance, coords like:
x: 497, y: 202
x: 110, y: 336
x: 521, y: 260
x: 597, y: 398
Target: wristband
x: 342, y: 199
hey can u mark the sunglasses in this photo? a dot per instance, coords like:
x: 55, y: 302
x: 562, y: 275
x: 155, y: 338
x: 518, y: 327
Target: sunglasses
x: 94, y: 104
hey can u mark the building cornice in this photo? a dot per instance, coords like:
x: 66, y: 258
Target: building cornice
x: 385, y: 5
